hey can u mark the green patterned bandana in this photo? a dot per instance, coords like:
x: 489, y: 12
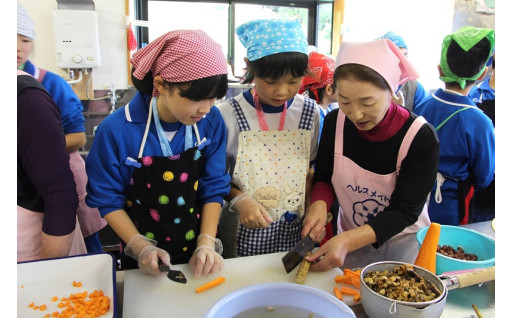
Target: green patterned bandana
x: 466, y: 37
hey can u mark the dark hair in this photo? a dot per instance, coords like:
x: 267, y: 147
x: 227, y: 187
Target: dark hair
x: 467, y: 64
x: 320, y: 92
x: 361, y: 73
x: 276, y: 65
x: 214, y: 86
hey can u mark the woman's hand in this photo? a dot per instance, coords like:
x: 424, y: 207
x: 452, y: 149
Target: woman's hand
x: 330, y: 255
x: 315, y: 220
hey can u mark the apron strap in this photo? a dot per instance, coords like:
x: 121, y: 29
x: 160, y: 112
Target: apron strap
x: 449, y: 117
x: 308, y: 114
x: 243, y: 125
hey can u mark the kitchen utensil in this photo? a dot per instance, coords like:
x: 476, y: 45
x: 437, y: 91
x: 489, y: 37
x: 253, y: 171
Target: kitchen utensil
x: 377, y: 305
x: 282, y: 299
x: 174, y: 275
x: 296, y: 254
x: 471, y: 241
x: 39, y: 281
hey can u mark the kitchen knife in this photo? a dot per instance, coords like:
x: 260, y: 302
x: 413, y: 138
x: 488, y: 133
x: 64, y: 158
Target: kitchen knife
x: 174, y: 275
x: 296, y: 254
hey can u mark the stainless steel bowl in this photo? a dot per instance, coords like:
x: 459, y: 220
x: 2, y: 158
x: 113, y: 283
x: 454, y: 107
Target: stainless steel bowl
x: 375, y: 305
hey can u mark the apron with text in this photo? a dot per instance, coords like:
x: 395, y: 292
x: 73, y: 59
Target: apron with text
x: 363, y: 194
x: 161, y: 197
x: 30, y: 228
x: 272, y: 166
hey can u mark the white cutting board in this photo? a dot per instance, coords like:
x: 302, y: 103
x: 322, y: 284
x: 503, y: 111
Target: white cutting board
x: 150, y: 296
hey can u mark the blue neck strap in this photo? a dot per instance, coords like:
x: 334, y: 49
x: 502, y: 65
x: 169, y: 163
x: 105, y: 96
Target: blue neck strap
x: 164, y: 143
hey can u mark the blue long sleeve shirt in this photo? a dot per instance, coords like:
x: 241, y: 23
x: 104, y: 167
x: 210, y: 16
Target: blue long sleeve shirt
x: 119, y: 136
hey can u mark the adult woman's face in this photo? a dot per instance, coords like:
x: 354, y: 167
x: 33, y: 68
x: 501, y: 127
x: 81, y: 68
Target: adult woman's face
x: 364, y: 103
x: 24, y: 49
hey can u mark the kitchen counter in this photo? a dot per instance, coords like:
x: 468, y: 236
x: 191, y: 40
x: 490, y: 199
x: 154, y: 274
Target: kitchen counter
x: 405, y: 249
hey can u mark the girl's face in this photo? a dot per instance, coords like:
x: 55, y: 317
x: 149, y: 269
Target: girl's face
x: 364, y: 103
x: 277, y: 92
x: 24, y: 49
x: 172, y: 107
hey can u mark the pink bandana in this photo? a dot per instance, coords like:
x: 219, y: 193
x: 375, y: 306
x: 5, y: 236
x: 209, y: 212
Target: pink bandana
x: 382, y: 56
x: 180, y: 56
x: 322, y: 69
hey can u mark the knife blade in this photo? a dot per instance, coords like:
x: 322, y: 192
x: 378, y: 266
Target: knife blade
x: 174, y: 275
x: 296, y: 254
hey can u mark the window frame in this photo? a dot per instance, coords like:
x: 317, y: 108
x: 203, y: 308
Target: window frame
x: 141, y: 13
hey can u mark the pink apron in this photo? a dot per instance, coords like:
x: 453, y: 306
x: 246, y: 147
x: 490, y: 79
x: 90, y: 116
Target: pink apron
x: 90, y: 219
x: 29, y: 231
x: 361, y: 193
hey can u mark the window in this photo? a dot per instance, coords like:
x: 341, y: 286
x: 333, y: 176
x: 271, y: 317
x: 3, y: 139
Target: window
x: 220, y: 18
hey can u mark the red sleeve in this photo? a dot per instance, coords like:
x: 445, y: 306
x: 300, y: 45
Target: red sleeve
x: 325, y: 192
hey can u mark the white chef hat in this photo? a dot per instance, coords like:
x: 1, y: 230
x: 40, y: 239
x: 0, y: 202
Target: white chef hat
x: 25, y: 23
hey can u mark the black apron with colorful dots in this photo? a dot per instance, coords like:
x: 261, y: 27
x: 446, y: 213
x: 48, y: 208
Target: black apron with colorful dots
x: 161, y: 200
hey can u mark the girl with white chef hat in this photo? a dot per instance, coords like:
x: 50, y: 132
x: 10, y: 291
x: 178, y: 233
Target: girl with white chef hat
x: 157, y: 165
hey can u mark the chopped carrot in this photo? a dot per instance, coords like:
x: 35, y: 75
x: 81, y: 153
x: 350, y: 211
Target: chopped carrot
x: 217, y: 281
x: 31, y: 305
x: 357, y: 297
x: 22, y: 286
x: 47, y: 316
x: 356, y: 282
x: 343, y: 279
x: 55, y: 298
x: 355, y: 273
x: 42, y: 307
x: 84, y: 305
x: 337, y: 293
x: 348, y: 291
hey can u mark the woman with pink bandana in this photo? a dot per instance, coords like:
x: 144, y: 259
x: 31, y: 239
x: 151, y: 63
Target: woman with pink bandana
x: 157, y: 165
x: 382, y: 161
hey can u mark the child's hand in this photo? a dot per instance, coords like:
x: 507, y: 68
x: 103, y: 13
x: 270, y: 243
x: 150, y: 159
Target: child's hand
x: 207, y: 259
x: 144, y: 250
x: 398, y: 98
x: 252, y: 214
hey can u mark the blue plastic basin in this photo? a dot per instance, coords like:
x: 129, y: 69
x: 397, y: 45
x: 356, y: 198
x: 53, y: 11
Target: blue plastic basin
x: 471, y: 241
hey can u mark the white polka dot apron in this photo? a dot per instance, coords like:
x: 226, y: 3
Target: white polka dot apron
x: 161, y: 197
x: 272, y: 166
x: 363, y: 194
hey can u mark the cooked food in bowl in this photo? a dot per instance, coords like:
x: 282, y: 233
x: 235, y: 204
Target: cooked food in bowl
x: 458, y: 253
x: 401, y: 283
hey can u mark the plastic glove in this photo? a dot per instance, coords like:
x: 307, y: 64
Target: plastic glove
x: 398, y: 98
x: 144, y: 250
x: 251, y: 213
x: 206, y: 259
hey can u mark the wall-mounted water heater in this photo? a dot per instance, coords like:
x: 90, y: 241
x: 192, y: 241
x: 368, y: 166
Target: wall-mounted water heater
x: 76, y: 38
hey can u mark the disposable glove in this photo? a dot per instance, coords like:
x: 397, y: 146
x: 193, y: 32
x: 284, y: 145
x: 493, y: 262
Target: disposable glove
x: 252, y: 214
x: 206, y: 259
x: 398, y: 98
x: 145, y: 252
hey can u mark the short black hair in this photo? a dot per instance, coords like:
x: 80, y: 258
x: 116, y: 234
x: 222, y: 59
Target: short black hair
x: 361, y: 73
x: 214, y: 86
x: 274, y: 66
x: 320, y: 92
x: 468, y: 63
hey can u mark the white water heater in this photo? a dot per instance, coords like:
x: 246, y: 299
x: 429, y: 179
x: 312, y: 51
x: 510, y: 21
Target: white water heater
x: 76, y: 38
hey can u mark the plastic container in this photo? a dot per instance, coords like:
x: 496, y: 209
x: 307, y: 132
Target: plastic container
x: 280, y: 296
x: 471, y: 241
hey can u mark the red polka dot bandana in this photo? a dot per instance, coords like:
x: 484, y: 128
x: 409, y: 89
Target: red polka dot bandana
x: 180, y: 56
x: 322, y: 69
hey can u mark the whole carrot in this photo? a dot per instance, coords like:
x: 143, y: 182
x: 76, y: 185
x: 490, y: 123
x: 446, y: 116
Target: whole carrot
x: 217, y: 281
x: 427, y: 255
